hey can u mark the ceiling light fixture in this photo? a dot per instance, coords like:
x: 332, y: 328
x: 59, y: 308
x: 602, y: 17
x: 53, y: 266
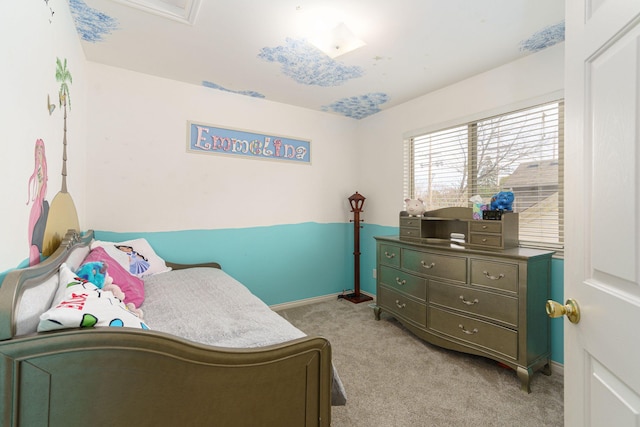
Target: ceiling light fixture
x: 338, y: 41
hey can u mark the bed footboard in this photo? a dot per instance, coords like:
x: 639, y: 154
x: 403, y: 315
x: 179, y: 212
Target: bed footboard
x: 115, y: 377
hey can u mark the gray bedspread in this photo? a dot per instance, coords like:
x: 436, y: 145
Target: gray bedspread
x: 208, y: 306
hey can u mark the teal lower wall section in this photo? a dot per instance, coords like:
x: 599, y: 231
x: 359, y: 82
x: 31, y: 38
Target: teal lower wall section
x: 284, y: 263
x: 557, y: 325
x: 280, y: 263
x: 23, y: 264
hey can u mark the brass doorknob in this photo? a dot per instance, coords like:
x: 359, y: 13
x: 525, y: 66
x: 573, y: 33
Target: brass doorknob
x: 571, y: 309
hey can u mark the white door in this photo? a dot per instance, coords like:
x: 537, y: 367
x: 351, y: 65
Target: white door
x: 602, y: 206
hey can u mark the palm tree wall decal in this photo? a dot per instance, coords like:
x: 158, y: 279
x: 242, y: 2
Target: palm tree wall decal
x: 63, y: 76
x: 62, y: 213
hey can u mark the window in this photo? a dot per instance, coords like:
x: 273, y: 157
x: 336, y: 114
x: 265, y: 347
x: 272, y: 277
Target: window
x: 521, y: 151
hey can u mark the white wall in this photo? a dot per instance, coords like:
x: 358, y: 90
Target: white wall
x: 514, y: 85
x: 381, y: 136
x: 135, y: 152
x: 30, y: 40
x: 143, y: 179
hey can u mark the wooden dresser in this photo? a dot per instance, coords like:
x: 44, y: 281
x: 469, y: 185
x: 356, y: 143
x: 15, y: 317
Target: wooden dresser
x: 465, y: 297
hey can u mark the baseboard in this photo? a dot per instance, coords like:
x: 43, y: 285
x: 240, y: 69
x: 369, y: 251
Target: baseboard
x: 557, y: 368
x: 307, y: 301
x: 301, y: 302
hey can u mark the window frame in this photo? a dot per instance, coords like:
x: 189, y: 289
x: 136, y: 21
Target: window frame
x: 472, y: 168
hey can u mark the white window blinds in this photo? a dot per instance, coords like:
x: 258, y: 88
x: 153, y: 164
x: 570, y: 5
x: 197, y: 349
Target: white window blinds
x: 520, y: 151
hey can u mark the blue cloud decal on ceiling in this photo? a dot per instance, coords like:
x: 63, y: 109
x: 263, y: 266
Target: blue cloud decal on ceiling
x: 91, y: 24
x: 239, y: 92
x: 358, y: 107
x: 308, y: 65
x: 544, y: 38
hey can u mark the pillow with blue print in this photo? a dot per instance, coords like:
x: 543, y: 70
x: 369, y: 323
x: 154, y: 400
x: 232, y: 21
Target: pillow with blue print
x: 136, y: 256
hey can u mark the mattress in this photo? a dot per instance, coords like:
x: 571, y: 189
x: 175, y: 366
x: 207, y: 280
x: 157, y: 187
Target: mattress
x: 208, y: 306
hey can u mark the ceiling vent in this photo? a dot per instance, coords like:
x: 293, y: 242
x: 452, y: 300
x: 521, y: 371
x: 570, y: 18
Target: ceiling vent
x: 184, y: 11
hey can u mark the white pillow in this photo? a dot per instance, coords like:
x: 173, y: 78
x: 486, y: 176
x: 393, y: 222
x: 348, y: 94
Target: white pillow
x: 66, y: 278
x: 83, y: 305
x: 136, y: 256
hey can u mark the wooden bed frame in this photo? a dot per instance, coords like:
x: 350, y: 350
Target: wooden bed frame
x: 123, y: 376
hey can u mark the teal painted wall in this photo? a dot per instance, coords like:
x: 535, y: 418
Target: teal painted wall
x: 279, y: 263
x: 284, y: 263
x: 23, y: 264
x: 557, y: 325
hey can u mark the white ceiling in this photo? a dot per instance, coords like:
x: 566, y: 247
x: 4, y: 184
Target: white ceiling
x: 260, y: 48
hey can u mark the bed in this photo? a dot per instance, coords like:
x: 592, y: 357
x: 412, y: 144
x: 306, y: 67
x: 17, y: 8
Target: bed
x: 188, y: 368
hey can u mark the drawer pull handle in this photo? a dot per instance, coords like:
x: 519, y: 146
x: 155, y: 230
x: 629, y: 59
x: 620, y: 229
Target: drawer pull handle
x: 490, y: 277
x: 424, y: 264
x: 403, y: 305
x: 468, y: 332
x: 475, y: 301
x: 400, y: 282
x: 484, y: 227
x: 389, y: 255
x: 484, y: 240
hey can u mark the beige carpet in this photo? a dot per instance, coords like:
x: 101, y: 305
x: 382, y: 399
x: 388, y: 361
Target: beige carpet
x: 394, y: 379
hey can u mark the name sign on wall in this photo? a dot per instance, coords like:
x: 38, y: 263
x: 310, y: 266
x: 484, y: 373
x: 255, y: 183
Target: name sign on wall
x: 215, y: 140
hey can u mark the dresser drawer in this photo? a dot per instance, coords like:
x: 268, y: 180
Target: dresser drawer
x: 488, y: 305
x: 491, y: 337
x: 488, y: 240
x: 403, y: 282
x: 410, y: 222
x: 402, y: 306
x: 496, y: 275
x: 446, y: 267
x: 389, y: 255
x: 485, y: 227
x: 410, y: 232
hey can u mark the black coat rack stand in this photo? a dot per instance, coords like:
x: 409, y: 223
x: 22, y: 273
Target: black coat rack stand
x: 356, y: 201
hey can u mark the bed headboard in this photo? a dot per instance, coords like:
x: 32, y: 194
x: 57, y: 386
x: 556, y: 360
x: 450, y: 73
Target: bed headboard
x: 28, y: 292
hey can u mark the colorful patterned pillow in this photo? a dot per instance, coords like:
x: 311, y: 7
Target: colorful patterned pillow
x: 83, y: 305
x: 132, y: 286
x: 136, y: 256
